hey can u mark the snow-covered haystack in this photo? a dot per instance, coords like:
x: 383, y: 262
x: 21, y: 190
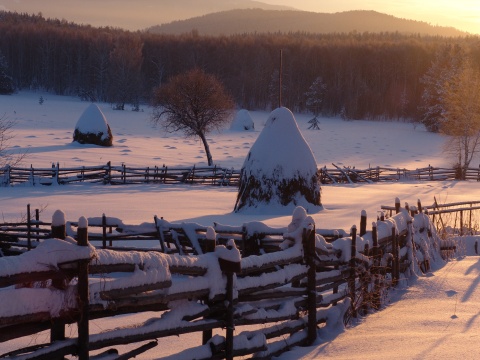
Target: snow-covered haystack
x: 242, y: 121
x: 280, y: 171
x: 92, y: 128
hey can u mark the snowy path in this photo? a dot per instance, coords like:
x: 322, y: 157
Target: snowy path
x: 437, y: 317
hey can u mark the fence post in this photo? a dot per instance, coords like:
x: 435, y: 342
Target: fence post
x: 104, y: 232
x: 6, y: 178
x: 108, y: 175
x: 32, y: 175
x: 351, y: 280
x: 309, y: 253
x: 37, y: 220
x: 29, y: 228
x: 229, y: 268
x: 419, y: 206
x: 210, y: 243
x: 461, y: 222
x: 57, y: 174
x: 396, y: 260
x: 397, y: 205
x: 375, y: 269
x: 363, y: 223
x: 57, y: 331
x: 83, y: 296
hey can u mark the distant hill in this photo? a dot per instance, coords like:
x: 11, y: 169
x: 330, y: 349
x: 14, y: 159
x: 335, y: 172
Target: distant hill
x: 128, y: 14
x: 262, y: 21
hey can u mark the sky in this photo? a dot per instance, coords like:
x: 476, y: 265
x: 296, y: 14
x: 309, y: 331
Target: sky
x: 461, y: 14
x: 436, y: 314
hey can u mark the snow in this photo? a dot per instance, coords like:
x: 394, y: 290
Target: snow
x: 58, y: 218
x: 435, y: 314
x: 243, y: 121
x: 92, y: 121
x: 273, y: 148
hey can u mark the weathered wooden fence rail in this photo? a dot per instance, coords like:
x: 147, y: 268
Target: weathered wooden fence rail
x: 115, y: 175
x: 288, y: 279
x: 346, y: 174
x: 208, y: 175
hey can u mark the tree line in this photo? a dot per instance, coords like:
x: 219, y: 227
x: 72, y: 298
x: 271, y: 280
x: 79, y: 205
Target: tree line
x: 363, y: 76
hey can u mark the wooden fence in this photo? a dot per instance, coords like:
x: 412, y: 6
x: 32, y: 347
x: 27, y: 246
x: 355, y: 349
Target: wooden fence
x: 115, y: 175
x: 346, y: 174
x: 288, y: 279
x: 123, y: 174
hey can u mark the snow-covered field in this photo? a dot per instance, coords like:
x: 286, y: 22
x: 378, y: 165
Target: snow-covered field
x: 437, y: 316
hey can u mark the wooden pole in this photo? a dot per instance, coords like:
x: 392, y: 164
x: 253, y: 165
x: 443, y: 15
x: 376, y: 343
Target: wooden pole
x: 104, y: 231
x: 83, y: 295
x: 397, y: 205
x: 280, y: 75
x: 29, y: 234
x: 375, y: 269
x: 363, y: 223
x: 351, y: 281
x: 57, y: 331
x: 461, y: 222
x: 311, y: 285
x: 396, y: 260
x: 229, y: 322
x: 37, y: 219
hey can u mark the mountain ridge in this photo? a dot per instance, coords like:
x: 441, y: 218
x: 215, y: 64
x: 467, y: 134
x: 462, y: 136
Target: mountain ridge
x: 126, y: 14
x: 271, y: 21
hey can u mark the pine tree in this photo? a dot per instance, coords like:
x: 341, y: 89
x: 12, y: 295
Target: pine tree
x: 445, y: 67
x: 6, y: 82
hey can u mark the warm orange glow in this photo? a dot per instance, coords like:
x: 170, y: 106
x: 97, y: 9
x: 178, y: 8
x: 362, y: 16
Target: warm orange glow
x: 461, y: 14
x: 137, y: 15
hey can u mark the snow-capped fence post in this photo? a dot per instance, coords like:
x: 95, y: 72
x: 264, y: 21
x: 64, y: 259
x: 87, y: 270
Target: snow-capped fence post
x: 351, y: 280
x: 83, y: 295
x: 210, y: 243
x: 397, y: 205
x: 229, y: 267
x: 419, y: 206
x: 363, y: 223
x: 309, y: 253
x: 57, y: 331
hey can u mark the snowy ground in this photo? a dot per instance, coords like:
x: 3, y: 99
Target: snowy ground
x: 437, y: 316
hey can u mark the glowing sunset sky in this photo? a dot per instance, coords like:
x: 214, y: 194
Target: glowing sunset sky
x: 461, y: 14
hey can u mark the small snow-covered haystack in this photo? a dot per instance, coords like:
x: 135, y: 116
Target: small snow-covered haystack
x: 280, y: 171
x: 92, y: 128
x: 242, y: 121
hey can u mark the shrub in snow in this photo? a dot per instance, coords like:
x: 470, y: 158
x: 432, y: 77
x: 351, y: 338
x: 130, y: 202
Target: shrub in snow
x: 92, y: 128
x: 280, y: 169
x: 242, y: 121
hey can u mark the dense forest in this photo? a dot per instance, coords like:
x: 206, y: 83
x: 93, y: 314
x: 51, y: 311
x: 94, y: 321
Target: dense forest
x: 363, y: 75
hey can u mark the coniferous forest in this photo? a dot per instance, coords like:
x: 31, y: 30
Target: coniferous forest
x: 363, y: 76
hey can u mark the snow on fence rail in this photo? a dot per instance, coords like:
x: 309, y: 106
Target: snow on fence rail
x: 303, y: 282
x: 123, y: 174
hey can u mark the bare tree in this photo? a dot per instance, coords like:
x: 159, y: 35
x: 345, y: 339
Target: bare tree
x: 193, y: 102
x: 462, y: 117
x: 6, y: 134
